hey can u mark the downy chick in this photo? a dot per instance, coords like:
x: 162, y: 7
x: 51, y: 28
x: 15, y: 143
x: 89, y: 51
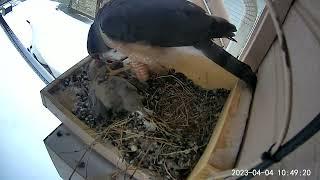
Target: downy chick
x: 113, y: 93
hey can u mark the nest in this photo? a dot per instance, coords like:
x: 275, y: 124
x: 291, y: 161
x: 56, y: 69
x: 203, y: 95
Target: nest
x: 171, y: 138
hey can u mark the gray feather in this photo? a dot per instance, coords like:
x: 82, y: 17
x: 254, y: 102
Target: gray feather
x: 166, y: 23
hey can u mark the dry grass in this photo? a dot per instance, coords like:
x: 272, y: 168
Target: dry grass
x: 170, y: 140
x: 182, y: 122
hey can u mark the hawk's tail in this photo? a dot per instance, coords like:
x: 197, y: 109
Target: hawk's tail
x: 221, y: 57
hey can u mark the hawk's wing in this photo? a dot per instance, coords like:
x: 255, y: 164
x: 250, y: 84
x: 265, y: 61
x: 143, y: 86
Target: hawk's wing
x: 163, y: 23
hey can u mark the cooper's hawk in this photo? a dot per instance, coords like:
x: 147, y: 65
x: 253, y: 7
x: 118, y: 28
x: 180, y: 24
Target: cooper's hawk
x: 147, y: 31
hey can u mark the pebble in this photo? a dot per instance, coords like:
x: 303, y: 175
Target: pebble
x: 133, y: 148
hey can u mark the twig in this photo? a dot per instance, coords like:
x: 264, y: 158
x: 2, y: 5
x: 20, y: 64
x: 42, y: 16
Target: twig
x: 178, y: 80
x: 184, y: 151
x: 177, y: 152
x: 88, y: 149
x: 165, y: 167
x: 87, y: 163
x: 75, y: 151
x: 138, y: 165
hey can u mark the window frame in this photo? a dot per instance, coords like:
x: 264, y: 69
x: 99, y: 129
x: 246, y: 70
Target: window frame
x: 263, y: 35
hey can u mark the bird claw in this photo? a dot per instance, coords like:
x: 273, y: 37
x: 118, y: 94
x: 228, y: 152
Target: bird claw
x: 116, y: 71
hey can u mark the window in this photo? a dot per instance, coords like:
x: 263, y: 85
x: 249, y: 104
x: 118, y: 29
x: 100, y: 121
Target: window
x: 244, y: 14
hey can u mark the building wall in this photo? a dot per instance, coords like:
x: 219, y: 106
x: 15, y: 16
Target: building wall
x: 302, y: 29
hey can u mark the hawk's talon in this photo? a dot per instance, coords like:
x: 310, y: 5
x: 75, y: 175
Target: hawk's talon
x: 116, y: 71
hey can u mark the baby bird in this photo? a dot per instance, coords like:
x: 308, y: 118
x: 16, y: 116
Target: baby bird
x: 112, y: 93
x: 118, y: 94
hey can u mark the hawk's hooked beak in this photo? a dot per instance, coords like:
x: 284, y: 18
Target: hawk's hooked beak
x: 114, y: 55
